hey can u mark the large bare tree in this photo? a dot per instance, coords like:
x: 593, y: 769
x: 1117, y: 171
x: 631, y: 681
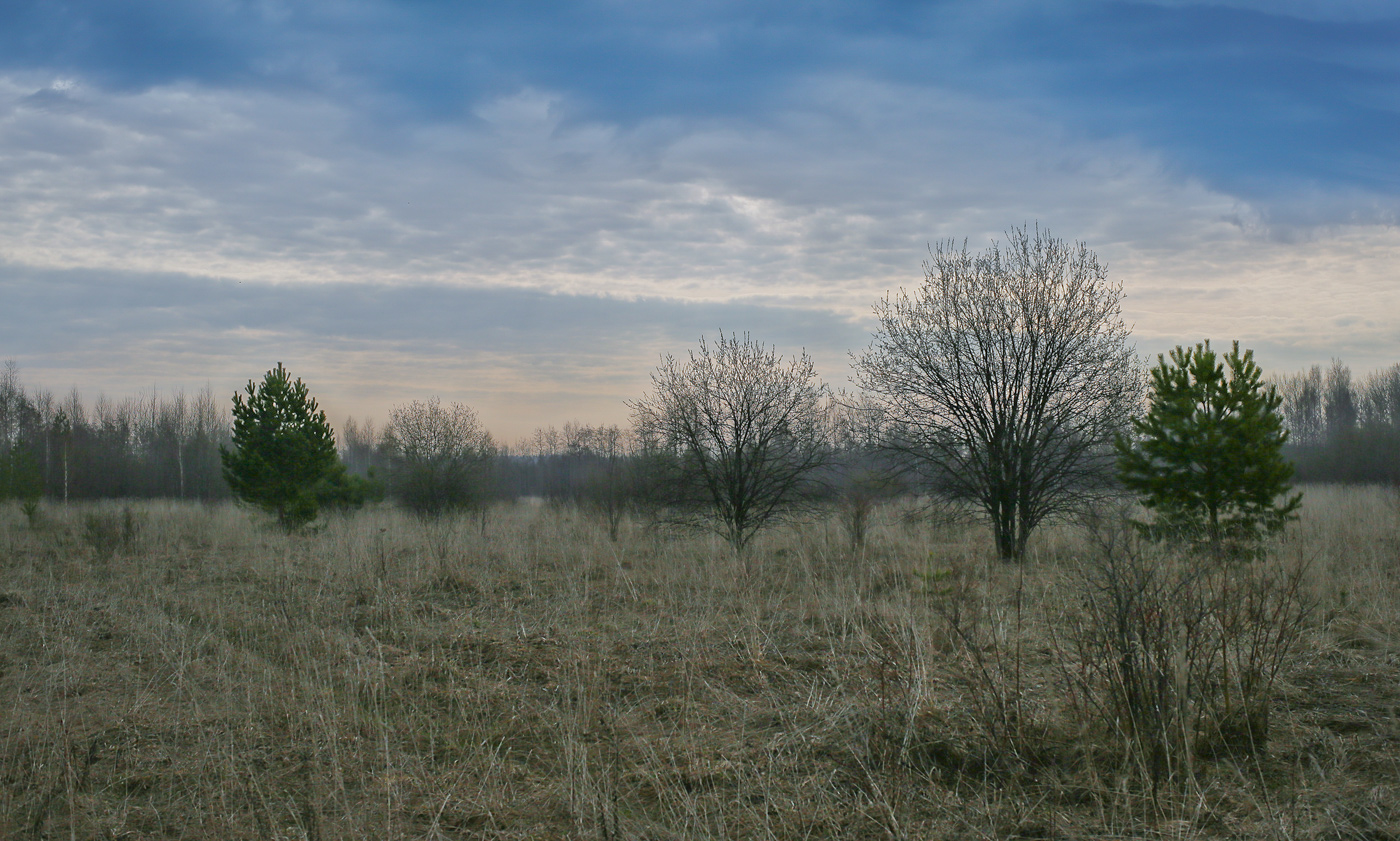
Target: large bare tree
x: 1004, y: 376
x: 738, y: 431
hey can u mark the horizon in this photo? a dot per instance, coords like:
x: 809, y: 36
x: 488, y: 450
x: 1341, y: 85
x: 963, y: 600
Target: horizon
x: 512, y: 442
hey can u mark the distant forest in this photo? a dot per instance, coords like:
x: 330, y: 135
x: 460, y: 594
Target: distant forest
x: 1342, y: 430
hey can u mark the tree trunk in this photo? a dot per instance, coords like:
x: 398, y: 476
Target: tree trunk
x: 1006, y: 537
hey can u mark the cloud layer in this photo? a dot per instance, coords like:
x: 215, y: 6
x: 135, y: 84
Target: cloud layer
x: 524, y: 207
x: 517, y: 355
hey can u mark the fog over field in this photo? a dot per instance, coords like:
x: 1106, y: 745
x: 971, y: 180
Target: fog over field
x: 522, y: 209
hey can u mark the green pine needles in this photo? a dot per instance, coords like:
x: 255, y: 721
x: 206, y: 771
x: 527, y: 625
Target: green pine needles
x: 1207, y: 458
x: 284, y: 449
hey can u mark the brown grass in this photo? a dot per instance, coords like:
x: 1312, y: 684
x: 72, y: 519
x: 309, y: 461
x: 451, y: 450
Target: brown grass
x: 176, y: 671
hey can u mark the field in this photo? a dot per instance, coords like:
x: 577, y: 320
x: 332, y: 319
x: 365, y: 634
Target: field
x: 177, y: 671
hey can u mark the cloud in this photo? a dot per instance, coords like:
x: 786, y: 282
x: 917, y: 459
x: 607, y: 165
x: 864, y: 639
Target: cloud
x: 1254, y: 98
x: 1313, y: 10
x: 521, y: 210
x: 1297, y: 304
x: 1261, y: 104
x: 523, y: 357
x: 833, y: 197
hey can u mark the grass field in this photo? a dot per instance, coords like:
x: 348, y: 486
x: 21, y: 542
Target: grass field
x: 172, y: 671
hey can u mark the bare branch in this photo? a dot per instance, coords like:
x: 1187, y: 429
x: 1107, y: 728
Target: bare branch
x: 1004, y: 376
x: 738, y: 431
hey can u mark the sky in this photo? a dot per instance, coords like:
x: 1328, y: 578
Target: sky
x: 523, y: 206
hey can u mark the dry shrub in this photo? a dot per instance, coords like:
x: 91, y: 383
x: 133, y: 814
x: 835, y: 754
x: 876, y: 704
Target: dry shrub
x: 109, y: 532
x: 988, y: 638
x: 1177, y: 654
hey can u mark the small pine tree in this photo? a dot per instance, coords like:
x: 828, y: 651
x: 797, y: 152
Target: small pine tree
x: 1207, y: 458
x: 20, y: 477
x: 284, y: 449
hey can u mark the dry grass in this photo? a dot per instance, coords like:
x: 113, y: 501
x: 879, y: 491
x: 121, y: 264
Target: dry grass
x: 180, y: 672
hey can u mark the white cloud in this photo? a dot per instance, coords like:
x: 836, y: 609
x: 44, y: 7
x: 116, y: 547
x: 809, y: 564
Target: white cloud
x: 833, y: 197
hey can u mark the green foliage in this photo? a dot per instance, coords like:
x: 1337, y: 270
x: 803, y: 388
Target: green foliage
x: 284, y: 449
x: 1207, y: 458
x: 345, y: 491
x: 20, y: 477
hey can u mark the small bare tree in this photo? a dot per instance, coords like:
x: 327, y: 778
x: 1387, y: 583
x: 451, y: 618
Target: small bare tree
x: 607, y: 481
x: 1004, y: 377
x: 361, y: 447
x: 738, y: 432
x: 442, y: 457
x: 862, y: 474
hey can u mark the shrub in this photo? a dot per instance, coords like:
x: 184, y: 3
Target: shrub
x: 442, y: 458
x: 1178, y: 654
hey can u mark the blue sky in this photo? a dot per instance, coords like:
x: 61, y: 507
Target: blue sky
x: 522, y: 205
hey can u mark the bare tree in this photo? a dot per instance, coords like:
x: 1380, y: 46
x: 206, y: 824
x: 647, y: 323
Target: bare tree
x: 739, y: 432
x: 211, y: 430
x: 1302, y: 407
x: 1342, y: 429
x: 862, y: 474
x: 442, y: 457
x: 164, y: 432
x: 12, y: 402
x: 1005, y: 376
x: 361, y: 447
x: 1380, y: 398
x: 608, y: 472
x: 20, y: 475
x: 1338, y: 401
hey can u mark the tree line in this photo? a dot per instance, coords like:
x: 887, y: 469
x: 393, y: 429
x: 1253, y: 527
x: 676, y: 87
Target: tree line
x: 1003, y: 384
x: 168, y: 446
x: 1343, y: 429
x: 140, y: 447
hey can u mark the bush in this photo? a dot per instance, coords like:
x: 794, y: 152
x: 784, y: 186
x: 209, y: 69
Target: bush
x: 344, y: 491
x: 442, y: 458
x: 1178, y: 653
x: 108, y: 532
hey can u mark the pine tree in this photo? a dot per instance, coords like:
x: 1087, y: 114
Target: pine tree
x: 19, y: 475
x: 284, y: 447
x: 1207, y: 457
